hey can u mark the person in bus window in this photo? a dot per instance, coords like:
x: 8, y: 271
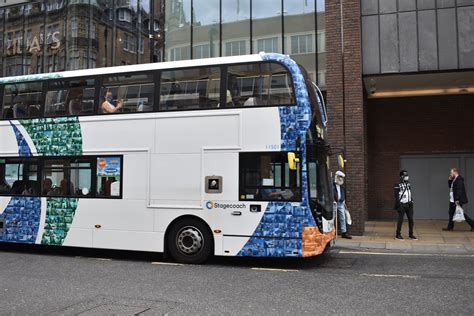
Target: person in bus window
x: 47, y: 186
x: 66, y: 187
x: 74, y: 99
x: 111, y: 106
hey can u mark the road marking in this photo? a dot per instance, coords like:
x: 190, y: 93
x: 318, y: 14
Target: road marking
x: 275, y: 270
x: 403, y: 276
x: 167, y: 264
x: 403, y: 254
x: 104, y: 259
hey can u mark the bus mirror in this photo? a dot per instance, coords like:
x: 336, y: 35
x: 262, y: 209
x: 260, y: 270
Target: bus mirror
x: 341, y: 161
x: 292, y: 160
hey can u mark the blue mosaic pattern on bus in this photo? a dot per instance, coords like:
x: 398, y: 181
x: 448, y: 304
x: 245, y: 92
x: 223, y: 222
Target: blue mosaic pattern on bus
x: 22, y: 214
x: 280, y: 231
x: 23, y: 148
x: 22, y: 218
x: 51, y: 136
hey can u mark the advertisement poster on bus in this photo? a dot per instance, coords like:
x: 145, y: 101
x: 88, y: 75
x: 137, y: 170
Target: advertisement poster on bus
x: 108, y: 166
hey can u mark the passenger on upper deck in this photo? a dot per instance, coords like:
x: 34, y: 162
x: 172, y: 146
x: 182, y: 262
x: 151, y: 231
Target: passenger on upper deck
x: 111, y: 106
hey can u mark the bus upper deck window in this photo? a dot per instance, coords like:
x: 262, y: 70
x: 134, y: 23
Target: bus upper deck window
x: 259, y: 84
x: 190, y: 89
x: 22, y: 100
x: 74, y: 97
x: 128, y: 93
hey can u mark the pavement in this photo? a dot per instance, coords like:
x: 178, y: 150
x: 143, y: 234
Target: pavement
x: 379, y: 235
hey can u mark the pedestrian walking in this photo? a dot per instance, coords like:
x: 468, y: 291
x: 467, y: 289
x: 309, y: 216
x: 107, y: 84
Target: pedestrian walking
x: 340, y: 199
x: 404, y: 205
x: 457, y: 197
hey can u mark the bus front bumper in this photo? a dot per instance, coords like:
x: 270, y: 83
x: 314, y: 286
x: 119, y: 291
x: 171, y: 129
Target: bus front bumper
x: 315, y: 242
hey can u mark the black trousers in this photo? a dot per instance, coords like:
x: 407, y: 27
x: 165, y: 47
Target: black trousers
x: 405, y: 208
x: 452, y: 210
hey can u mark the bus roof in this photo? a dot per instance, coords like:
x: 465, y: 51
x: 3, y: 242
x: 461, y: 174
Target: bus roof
x: 133, y: 68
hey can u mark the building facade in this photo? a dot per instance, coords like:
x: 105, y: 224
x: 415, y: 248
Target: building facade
x: 398, y: 75
x: 400, y: 79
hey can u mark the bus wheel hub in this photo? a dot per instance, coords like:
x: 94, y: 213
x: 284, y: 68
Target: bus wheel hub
x: 189, y: 240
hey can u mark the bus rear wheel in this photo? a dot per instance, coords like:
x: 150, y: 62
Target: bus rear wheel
x: 190, y: 241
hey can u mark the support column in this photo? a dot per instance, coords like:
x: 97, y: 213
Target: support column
x: 345, y: 100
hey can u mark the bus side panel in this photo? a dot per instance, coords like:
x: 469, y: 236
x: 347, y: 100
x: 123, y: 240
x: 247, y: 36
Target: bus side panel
x: 8, y: 140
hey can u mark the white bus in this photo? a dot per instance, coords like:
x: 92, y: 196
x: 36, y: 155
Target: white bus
x: 222, y: 156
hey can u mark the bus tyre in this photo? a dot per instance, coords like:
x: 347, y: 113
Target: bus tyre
x: 190, y: 241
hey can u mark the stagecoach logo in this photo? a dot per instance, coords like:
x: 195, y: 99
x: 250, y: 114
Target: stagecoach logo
x: 215, y: 205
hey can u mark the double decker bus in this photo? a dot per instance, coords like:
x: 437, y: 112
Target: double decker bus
x: 221, y: 156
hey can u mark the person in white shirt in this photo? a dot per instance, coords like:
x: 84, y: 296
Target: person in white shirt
x: 404, y: 205
x: 340, y: 199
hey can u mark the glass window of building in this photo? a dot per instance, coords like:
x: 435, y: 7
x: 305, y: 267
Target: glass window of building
x: 235, y: 48
x: 178, y: 30
x: 302, y: 44
x: 22, y: 100
x: 300, y: 30
x: 267, y: 26
x: 259, y: 84
x: 235, y: 27
x: 206, y: 28
x: 190, y: 89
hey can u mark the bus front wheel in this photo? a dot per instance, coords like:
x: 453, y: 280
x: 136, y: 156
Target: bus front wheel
x: 190, y: 241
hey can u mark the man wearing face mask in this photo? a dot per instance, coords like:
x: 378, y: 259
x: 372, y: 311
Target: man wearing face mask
x: 340, y: 199
x: 404, y: 205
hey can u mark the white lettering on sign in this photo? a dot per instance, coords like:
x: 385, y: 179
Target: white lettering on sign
x: 14, y: 47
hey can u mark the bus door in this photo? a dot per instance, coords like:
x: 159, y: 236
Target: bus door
x: 225, y: 211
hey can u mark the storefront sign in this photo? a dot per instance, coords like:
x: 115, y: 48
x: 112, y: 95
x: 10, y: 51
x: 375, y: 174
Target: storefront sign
x: 14, y: 47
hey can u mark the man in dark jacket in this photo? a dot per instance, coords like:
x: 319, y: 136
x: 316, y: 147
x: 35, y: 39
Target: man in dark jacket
x: 404, y: 205
x: 457, y: 196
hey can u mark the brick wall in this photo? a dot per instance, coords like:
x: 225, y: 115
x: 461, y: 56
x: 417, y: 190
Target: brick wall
x: 423, y: 125
x: 347, y: 130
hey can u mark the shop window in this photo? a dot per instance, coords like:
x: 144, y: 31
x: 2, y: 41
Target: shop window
x: 19, y: 177
x: 266, y: 177
x: 190, y: 89
x: 125, y: 94
x: 109, y: 177
x: 22, y: 100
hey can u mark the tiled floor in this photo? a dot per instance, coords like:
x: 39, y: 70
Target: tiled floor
x: 431, y: 237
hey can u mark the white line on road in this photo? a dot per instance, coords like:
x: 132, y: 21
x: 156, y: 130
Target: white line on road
x: 275, y: 270
x: 403, y: 276
x: 344, y: 252
x: 167, y: 264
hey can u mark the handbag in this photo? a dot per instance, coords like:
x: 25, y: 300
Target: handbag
x: 348, y: 216
x: 459, y: 215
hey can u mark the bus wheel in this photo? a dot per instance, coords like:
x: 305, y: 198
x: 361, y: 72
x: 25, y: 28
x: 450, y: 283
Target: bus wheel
x: 190, y: 241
